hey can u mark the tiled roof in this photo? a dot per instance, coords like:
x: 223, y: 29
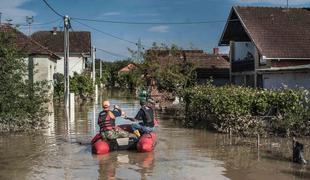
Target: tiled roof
x: 25, y: 44
x: 80, y: 41
x: 277, y: 32
x: 127, y: 68
x: 208, y: 61
x: 198, y: 57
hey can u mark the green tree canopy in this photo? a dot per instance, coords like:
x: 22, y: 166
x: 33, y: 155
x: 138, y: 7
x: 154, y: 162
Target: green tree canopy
x: 21, y: 101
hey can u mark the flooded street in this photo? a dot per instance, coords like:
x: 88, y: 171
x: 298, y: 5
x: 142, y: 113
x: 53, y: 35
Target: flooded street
x: 63, y: 152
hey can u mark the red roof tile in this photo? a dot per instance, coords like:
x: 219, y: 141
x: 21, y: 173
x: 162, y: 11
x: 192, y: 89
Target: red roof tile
x: 80, y: 41
x: 25, y: 44
x: 127, y: 68
x: 198, y: 57
x: 277, y: 32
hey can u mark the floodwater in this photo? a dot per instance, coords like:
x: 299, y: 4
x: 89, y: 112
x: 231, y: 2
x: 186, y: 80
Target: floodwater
x: 63, y: 152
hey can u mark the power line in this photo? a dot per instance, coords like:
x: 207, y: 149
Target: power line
x: 48, y: 5
x: 111, y: 53
x: 149, y: 23
x: 103, y: 50
x: 108, y: 34
x: 44, y: 23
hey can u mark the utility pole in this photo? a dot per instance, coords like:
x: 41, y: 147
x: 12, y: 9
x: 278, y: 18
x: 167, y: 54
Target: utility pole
x: 0, y: 18
x: 66, y: 58
x: 287, y: 5
x: 139, y: 44
x: 100, y: 69
x: 93, y: 56
x: 29, y: 21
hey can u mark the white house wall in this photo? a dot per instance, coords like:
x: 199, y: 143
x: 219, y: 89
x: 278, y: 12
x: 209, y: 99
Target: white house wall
x: 43, y: 69
x: 76, y: 64
x: 292, y: 80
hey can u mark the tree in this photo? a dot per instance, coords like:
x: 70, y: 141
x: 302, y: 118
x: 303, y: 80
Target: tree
x: 82, y: 85
x: 22, y: 101
x: 166, y: 66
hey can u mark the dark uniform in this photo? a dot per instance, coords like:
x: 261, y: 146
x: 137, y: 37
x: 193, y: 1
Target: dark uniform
x: 146, y: 116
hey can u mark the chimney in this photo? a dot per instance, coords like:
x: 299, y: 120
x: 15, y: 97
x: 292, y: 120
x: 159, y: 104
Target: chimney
x: 54, y: 30
x: 216, y: 51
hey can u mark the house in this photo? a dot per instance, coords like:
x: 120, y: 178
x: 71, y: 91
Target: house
x: 80, y: 48
x: 269, y: 46
x: 210, y: 66
x: 207, y: 66
x: 129, y: 68
x: 41, y: 61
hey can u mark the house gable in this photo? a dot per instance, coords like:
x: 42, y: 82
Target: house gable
x: 234, y: 30
x: 25, y: 44
x: 278, y: 33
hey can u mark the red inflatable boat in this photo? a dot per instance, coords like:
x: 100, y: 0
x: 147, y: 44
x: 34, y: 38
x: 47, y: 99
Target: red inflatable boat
x: 146, y: 143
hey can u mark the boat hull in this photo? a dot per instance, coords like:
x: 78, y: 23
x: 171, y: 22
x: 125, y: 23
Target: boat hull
x: 146, y: 143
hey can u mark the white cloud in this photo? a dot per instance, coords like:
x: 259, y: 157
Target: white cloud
x: 275, y: 2
x: 148, y: 14
x: 159, y: 29
x: 11, y: 9
x: 111, y: 14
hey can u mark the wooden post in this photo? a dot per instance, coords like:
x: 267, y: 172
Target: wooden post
x: 258, y: 141
x: 230, y: 136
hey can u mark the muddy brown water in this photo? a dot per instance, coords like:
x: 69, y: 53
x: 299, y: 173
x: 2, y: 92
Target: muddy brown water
x: 63, y: 152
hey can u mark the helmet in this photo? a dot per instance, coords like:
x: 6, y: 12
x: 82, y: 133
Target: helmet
x: 142, y: 101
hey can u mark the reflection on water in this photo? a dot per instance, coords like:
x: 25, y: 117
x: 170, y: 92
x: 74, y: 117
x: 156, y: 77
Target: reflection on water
x: 63, y: 151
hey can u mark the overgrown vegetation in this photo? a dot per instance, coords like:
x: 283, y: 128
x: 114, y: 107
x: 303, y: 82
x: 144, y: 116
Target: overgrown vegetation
x: 21, y: 101
x: 80, y: 84
x: 248, y: 111
x: 110, y: 77
x: 131, y: 80
x: 170, y: 74
x: 164, y: 65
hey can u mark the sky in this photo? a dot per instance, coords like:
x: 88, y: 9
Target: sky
x: 199, y: 36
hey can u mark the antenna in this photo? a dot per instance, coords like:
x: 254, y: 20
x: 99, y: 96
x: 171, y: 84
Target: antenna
x: 287, y: 4
x: 29, y: 21
x: 139, y: 44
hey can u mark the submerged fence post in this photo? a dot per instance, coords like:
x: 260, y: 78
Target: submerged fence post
x: 230, y: 136
x: 72, y: 107
x: 257, y: 145
x: 96, y: 94
x: 258, y: 141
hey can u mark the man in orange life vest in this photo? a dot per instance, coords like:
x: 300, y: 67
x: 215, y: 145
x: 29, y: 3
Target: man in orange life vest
x: 106, y: 122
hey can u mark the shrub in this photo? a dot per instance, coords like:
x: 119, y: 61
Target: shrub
x: 82, y: 85
x: 247, y: 111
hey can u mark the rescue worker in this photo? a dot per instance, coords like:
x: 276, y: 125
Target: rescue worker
x: 146, y: 117
x: 106, y: 122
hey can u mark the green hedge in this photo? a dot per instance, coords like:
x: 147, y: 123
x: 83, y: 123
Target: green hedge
x: 247, y: 111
